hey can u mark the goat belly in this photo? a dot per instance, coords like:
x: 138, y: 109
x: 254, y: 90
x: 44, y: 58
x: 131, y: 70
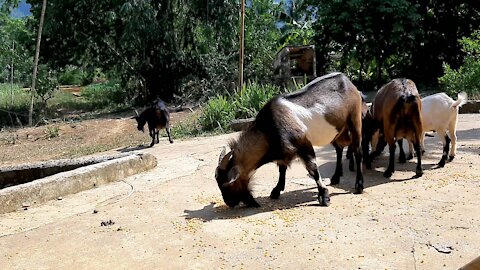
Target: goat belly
x: 313, y: 122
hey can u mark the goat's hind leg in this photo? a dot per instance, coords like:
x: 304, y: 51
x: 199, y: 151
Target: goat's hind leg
x: 401, y: 157
x: 446, y: 145
x: 157, y: 133
x: 275, y: 194
x: 339, y: 168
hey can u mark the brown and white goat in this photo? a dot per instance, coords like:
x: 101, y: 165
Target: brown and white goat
x: 396, y: 113
x: 327, y: 110
x: 156, y: 117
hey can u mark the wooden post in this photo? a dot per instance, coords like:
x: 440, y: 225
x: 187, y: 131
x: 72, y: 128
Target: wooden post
x: 35, y: 62
x: 242, y: 37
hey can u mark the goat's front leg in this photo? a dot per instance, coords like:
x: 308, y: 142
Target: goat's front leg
x: 307, y: 154
x: 339, y: 168
x: 157, y: 132
x: 151, y: 131
x: 275, y: 194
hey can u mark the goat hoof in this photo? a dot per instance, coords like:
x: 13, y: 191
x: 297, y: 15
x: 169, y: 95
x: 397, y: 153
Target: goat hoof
x: 450, y: 158
x: 324, y: 199
x: 441, y: 164
x: 335, y: 180
x: 253, y: 204
x: 387, y: 173
x: 275, y: 194
x: 171, y: 141
x: 358, y: 188
x: 410, y: 156
x: 419, y: 172
x: 152, y: 144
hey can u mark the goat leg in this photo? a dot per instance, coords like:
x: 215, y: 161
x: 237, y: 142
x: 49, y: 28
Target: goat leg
x: 391, y: 164
x: 446, y: 146
x: 338, y: 169
x: 275, y: 194
x: 418, y: 152
x: 401, y: 158
x: 249, y: 200
x: 168, y: 133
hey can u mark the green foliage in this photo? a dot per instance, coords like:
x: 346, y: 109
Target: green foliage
x: 15, y: 49
x: 219, y: 112
x: 252, y: 98
x: 467, y: 77
x: 52, y: 132
x: 369, y: 40
x: 104, y: 95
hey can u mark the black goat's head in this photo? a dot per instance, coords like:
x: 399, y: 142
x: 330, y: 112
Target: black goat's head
x: 140, y: 121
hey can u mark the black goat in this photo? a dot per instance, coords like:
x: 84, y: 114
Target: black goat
x: 157, y: 117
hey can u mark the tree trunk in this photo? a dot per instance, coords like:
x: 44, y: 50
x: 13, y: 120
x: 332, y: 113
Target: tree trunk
x: 35, y: 62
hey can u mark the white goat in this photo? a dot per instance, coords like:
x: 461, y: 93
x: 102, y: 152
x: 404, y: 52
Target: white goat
x: 439, y: 114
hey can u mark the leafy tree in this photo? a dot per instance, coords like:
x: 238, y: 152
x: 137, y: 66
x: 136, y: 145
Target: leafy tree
x: 442, y: 24
x: 369, y: 39
x: 15, y: 48
x: 295, y: 21
x: 466, y: 77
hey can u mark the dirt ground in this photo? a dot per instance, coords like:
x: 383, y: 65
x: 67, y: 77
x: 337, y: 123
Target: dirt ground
x: 76, y: 138
x: 173, y: 217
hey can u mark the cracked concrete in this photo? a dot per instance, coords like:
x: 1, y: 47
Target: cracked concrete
x: 175, y: 217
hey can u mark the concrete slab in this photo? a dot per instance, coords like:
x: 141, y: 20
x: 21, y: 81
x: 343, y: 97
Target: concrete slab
x: 61, y: 184
x: 173, y: 217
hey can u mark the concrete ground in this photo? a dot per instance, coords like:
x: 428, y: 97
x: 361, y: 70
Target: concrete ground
x: 173, y: 217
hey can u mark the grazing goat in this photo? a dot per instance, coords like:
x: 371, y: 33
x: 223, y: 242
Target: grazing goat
x: 157, y: 117
x: 439, y: 114
x: 327, y: 110
x: 396, y: 113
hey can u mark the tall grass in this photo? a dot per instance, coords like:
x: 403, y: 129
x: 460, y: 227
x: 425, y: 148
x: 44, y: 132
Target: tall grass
x: 219, y: 112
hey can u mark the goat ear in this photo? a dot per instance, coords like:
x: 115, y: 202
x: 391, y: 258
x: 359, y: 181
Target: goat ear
x: 234, y: 174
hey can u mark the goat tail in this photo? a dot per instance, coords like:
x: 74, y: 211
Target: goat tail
x: 410, y: 98
x: 462, y: 99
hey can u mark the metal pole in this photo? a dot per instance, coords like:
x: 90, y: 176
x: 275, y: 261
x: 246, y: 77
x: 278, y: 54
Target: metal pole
x: 242, y: 37
x: 12, y: 72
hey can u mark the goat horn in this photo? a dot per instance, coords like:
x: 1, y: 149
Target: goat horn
x: 223, y: 159
x: 136, y: 112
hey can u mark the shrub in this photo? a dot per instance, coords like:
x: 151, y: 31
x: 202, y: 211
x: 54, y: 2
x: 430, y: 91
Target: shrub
x: 71, y: 76
x: 220, y: 111
x: 217, y: 114
x: 467, y: 77
x: 252, y: 98
x: 104, y: 94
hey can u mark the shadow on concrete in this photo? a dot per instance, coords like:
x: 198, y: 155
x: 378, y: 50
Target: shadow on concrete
x: 287, y: 200
x: 132, y: 148
x: 468, y: 135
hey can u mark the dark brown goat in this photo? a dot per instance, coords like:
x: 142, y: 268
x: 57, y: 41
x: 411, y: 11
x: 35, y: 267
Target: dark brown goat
x: 157, y: 117
x: 396, y: 113
x: 327, y: 110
